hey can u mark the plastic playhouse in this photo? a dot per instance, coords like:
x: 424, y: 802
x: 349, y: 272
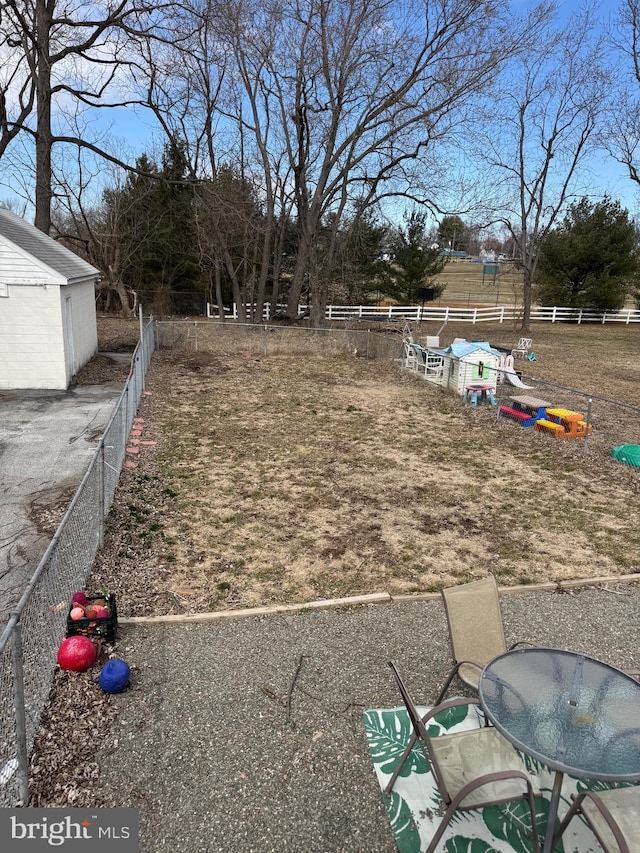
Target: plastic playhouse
x: 466, y: 367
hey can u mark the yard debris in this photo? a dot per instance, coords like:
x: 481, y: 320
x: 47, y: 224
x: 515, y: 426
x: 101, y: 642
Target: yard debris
x: 64, y: 769
x: 292, y: 685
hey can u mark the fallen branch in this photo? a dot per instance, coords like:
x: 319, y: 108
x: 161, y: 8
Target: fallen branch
x: 291, y: 686
x: 612, y: 591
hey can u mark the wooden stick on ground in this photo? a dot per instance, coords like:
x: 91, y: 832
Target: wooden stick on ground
x: 291, y: 686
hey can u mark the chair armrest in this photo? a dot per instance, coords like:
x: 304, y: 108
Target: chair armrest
x: 476, y: 663
x: 488, y: 778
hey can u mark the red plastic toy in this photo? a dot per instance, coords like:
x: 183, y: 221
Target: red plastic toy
x: 77, y: 653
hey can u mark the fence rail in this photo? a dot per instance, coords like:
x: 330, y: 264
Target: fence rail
x: 448, y: 314
x: 29, y: 642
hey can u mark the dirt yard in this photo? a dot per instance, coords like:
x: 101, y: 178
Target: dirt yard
x: 279, y: 479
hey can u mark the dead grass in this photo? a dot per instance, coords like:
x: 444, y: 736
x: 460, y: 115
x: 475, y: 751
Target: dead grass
x: 279, y: 479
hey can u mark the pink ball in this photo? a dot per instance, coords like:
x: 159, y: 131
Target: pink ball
x: 77, y: 613
x: 79, y: 598
x: 76, y: 653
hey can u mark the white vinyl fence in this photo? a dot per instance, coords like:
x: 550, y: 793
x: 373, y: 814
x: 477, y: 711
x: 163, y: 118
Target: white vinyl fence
x: 447, y: 314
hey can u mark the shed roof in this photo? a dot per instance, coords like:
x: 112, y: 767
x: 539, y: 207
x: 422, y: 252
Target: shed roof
x: 44, y: 249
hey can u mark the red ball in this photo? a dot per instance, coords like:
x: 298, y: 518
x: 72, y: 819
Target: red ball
x: 76, y: 653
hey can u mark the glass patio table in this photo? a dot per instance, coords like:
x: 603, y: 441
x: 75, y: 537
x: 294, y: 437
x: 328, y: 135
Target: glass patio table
x: 575, y: 714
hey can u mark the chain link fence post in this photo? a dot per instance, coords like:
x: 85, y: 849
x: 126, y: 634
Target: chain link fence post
x: 22, y: 771
x: 101, y: 497
x: 587, y: 427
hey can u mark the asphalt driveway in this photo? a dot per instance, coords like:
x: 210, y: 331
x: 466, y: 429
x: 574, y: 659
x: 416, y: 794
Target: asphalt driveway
x: 47, y: 440
x: 246, y: 736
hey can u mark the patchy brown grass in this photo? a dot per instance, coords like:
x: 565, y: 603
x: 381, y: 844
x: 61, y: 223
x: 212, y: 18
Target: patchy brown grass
x: 279, y: 479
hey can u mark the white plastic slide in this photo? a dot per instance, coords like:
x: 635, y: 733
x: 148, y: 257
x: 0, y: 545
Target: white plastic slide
x: 512, y: 377
x: 506, y: 370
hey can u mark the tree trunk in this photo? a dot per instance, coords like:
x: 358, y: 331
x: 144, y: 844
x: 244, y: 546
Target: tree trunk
x: 43, y: 128
x: 116, y: 288
x: 295, y: 291
x: 218, y: 285
x: 527, y: 287
x: 238, y: 295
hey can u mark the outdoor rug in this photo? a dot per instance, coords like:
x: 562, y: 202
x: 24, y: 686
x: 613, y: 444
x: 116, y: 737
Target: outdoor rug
x: 414, y: 807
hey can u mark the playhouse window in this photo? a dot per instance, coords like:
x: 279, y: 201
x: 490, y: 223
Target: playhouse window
x: 481, y: 370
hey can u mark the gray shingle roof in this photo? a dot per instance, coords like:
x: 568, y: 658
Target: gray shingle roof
x: 46, y: 250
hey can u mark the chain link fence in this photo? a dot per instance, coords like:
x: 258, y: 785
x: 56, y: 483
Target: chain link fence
x: 611, y: 422
x: 30, y: 640
x: 213, y: 337
x: 29, y: 643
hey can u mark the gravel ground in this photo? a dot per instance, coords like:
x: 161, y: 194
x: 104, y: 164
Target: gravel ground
x: 245, y: 735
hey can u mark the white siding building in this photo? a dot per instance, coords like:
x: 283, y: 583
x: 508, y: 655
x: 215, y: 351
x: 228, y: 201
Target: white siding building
x: 48, y: 327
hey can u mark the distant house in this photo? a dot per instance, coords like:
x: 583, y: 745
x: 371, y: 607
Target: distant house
x: 48, y: 327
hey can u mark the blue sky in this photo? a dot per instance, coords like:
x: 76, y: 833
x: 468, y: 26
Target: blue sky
x: 601, y: 173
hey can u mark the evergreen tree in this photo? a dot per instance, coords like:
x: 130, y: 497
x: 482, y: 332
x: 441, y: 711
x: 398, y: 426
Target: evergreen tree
x: 415, y: 263
x: 359, y: 274
x: 154, y: 218
x: 591, y: 259
x: 453, y: 234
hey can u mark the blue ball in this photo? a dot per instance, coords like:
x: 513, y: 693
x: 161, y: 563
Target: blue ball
x: 114, y: 676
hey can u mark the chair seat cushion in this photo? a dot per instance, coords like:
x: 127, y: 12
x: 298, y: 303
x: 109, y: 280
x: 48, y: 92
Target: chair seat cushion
x: 465, y: 756
x: 624, y: 806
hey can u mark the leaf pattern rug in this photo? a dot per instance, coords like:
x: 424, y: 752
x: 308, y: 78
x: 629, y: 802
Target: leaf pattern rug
x: 414, y: 807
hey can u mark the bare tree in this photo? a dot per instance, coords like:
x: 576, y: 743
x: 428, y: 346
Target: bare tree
x: 92, y: 229
x: 541, y: 128
x: 229, y: 231
x: 17, y: 89
x: 196, y: 87
x: 350, y: 99
x: 64, y: 55
x: 622, y: 134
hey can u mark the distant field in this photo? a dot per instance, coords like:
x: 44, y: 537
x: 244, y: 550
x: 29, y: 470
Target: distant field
x: 468, y: 284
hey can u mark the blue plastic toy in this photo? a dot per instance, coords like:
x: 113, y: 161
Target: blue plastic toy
x: 114, y: 676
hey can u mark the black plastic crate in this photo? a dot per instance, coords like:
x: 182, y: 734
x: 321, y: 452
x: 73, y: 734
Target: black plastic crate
x: 102, y: 629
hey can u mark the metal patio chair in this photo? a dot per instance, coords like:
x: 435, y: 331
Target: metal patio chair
x: 612, y: 815
x: 472, y: 769
x: 476, y: 632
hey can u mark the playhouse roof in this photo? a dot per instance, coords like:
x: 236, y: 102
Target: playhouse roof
x: 461, y: 348
x: 29, y: 240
